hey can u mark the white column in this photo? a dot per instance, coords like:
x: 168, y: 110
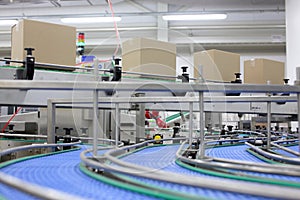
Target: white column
x: 162, y: 25
x: 292, y: 38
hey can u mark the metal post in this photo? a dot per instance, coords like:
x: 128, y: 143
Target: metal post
x: 117, y: 116
x: 96, y: 69
x: 201, y: 125
x: 50, y: 123
x: 140, y: 120
x: 95, y: 122
x: 101, y: 124
x: 298, y: 103
x: 191, y: 123
x: 269, y: 124
x: 95, y: 109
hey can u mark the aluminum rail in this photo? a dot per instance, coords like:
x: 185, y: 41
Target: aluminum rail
x: 35, y: 190
x: 14, y: 61
x: 273, y: 156
x: 72, y: 68
x: 285, y: 149
x: 32, y: 189
x: 145, y: 86
x: 223, y: 185
x: 45, y: 136
x: 110, y: 100
x: 23, y: 135
x: 286, y: 141
x: 47, y: 65
x: 290, y: 170
x: 35, y: 146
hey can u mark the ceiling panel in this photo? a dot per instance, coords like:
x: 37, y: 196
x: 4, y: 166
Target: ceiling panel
x: 249, y: 22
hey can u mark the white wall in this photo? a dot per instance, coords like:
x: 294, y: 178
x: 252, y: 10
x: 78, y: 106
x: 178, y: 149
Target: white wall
x: 292, y: 37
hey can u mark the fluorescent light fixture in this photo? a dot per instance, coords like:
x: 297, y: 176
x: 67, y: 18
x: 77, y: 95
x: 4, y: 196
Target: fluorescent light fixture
x: 8, y: 22
x: 90, y: 20
x: 194, y: 17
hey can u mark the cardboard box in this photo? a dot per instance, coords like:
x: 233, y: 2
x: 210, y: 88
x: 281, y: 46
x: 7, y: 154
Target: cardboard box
x: 149, y: 56
x: 53, y: 43
x: 260, y: 71
x: 216, y: 65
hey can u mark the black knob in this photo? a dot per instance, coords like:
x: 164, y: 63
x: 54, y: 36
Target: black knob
x: 11, y: 127
x: 230, y: 127
x: 237, y: 75
x: 184, y: 69
x: 185, y: 76
x: 84, y: 130
x: 286, y: 81
x: 68, y: 130
x: 117, y: 61
x: 29, y: 51
x: 7, y: 62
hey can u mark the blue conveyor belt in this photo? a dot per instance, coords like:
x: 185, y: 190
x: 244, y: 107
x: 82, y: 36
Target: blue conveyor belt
x: 163, y: 158
x: 239, y: 153
x: 61, y: 172
x: 233, y: 153
x: 285, y: 153
x: 294, y: 148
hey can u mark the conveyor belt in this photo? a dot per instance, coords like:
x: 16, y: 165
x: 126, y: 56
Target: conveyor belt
x: 61, y: 172
x: 163, y: 158
x: 285, y: 153
x: 239, y: 152
x: 233, y: 153
x: 294, y: 148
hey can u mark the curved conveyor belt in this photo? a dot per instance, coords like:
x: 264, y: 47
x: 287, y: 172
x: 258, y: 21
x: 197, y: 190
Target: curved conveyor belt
x: 239, y: 152
x: 163, y: 158
x: 284, y: 153
x: 61, y: 172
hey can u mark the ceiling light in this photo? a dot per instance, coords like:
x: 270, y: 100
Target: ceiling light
x: 8, y: 22
x: 194, y: 17
x: 90, y: 19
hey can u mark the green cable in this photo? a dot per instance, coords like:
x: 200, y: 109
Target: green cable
x: 177, y: 115
x: 291, y: 144
x: 262, y: 157
x: 236, y: 177
x: 2, y: 198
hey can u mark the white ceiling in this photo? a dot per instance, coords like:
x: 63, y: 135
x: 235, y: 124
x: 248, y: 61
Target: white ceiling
x: 250, y: 23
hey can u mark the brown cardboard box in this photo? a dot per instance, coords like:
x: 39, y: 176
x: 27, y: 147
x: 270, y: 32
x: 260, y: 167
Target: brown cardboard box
x: 53, y: 43
x: 259, y: 71
x: 149, y: 56
x: 216, y: 65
